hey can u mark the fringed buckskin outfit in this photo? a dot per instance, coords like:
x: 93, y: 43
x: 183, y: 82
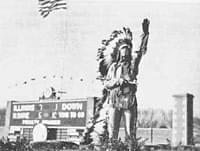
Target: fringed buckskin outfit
x: 122, y: 98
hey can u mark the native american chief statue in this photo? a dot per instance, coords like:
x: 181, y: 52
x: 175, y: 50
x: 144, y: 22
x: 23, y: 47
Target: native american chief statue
x: 118, y: 68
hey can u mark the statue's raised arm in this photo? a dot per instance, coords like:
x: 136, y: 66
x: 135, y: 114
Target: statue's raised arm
x: 145, y: 36
x: 137, y: 55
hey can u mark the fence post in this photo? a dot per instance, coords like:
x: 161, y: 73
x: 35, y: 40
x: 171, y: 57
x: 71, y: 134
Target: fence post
x: 151, y: 135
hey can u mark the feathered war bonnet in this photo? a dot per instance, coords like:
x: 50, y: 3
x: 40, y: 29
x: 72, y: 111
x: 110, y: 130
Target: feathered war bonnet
x: 108, y: 53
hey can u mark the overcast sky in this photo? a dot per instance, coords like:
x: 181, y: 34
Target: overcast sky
x: 66, y: 42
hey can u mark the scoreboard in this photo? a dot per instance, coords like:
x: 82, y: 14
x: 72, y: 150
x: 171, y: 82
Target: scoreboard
x: 63, y: 113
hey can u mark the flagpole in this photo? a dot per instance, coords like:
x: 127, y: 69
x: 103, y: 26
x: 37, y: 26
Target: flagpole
x: 65, y: 42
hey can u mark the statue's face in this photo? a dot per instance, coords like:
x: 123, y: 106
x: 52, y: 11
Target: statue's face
x: 125, y: 52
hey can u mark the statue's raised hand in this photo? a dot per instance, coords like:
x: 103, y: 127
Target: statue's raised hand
x: 145, y: 26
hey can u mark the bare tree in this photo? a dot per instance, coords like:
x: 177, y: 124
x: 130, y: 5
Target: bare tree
x: 154, y: 118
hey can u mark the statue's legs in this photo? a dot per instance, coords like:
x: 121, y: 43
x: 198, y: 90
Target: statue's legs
x: 130, y: 121
x: 114, y: 122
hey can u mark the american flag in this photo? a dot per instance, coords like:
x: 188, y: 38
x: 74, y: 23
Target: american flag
x: 47, y: 6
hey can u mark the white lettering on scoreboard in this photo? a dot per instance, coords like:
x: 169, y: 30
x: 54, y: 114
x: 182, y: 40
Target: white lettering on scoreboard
x: 21, y: 115
x: 72, y: 106
x: 30, y: 122
x: 26, y: 107
x: 54, y: 115
x: 63, y: 114
x: 51, y: 122
x: 48, y: 122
